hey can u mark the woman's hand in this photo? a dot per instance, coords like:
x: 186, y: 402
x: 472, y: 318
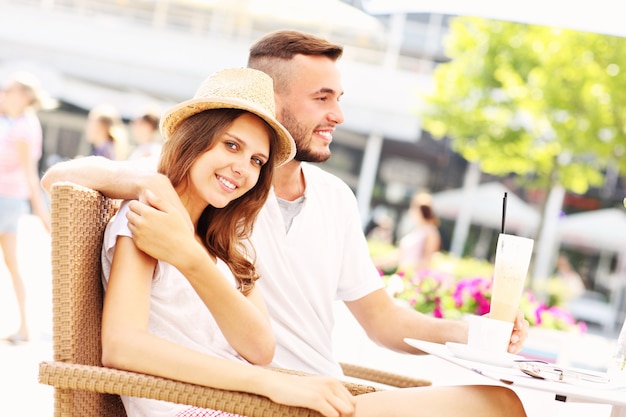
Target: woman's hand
x: 160, y: 228
x: 519, y: 334
x: 323, y: 394
x: 157, y: 191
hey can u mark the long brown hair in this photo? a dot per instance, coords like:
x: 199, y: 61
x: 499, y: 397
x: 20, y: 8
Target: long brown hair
x: 273, y: 51
x: 224, y: 230
x: 423, y: 202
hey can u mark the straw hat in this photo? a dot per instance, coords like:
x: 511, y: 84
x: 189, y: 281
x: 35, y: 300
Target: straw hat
x: 237, y: 88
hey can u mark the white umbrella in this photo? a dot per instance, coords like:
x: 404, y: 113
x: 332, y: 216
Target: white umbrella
x: 486, y: 208
x: 602, y: 230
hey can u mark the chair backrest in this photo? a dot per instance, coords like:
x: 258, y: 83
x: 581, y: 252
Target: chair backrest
x: 79, y: 216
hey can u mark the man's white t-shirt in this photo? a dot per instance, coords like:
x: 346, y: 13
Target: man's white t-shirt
x: 322, y: 258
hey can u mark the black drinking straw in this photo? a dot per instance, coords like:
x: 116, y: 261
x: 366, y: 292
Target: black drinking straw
x: 503, y: 211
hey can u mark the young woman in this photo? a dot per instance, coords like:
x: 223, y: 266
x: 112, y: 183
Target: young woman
x: 20, y: 193
x: 220, y: 151
x: 418, y: 247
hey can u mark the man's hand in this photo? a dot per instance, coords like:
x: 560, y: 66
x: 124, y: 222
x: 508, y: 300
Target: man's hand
x: 519, y: 334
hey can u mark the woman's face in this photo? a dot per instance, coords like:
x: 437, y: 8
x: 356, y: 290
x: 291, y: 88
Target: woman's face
x: 231, y: 167
x: 13, y: 98
x: 96, y: 131
x: 142, y: 131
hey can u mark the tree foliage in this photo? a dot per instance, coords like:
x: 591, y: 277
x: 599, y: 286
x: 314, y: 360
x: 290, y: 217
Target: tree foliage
x: 544, y: 103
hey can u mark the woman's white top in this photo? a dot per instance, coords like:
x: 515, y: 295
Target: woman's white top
x: 177, y: 314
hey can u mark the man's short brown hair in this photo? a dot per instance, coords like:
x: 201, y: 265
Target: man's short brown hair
x: 273, y: 51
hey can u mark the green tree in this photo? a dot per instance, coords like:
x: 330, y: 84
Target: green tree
x: 546, y: 104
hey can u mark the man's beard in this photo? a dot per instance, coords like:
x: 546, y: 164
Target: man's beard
x: 302, y: 136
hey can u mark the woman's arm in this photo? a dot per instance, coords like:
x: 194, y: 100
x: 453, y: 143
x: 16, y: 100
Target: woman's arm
x: 243, y: 320
x: 157, y: 228
x: 127, y: 344
x: 29, y: 166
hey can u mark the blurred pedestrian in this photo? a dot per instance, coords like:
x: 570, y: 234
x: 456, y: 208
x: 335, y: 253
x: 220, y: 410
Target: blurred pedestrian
x: 415, y: 249
x: 105, y: 132
x: 20, y: 192
x: 419, y: 245
x: 574, y: 286
x: 145, y: 134
x: 380, y: 229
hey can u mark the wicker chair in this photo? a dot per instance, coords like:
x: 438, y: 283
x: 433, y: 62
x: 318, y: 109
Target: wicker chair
x: 83, y: 387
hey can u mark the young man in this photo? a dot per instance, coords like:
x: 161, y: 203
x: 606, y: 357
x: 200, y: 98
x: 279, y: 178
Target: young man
x: 308, y: 241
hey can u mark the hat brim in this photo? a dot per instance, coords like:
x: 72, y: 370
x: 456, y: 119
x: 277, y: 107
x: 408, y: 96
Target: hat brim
x: 175, y: 115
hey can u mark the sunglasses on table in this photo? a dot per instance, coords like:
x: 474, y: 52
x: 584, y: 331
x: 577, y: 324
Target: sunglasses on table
x: 553, y: 372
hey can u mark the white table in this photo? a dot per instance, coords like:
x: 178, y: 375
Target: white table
x: 590, y: 392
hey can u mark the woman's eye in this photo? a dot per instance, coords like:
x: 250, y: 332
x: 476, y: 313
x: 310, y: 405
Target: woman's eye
x: 258, y: 161
x: 231, y: 145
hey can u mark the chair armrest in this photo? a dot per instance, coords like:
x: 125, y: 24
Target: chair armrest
x: 353, y: 387
x: 63, y: 375
x: 382, y: 377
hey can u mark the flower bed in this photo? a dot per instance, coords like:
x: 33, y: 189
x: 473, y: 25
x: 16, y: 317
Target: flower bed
x: 452, y: 288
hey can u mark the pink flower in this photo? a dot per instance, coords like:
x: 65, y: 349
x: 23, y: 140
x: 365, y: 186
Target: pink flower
x: 444, y: 295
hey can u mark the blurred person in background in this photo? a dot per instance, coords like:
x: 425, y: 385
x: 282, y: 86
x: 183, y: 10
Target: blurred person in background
x: 105, y: 132
x: 415, y: 249
x: 145, y: 134
x: 20, y: 193
x: 380, y: 229
x: 419, y: 245
x: 573, y: 284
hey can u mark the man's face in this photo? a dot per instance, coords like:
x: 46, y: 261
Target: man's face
x: 310, y: 108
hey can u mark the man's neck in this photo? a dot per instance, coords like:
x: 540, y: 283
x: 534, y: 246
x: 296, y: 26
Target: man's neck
x: 289, y: 181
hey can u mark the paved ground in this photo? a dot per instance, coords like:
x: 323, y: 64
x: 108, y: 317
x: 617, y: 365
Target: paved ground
x: 22, y: 395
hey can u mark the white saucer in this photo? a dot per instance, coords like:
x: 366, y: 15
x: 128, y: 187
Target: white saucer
x: 463, y: 351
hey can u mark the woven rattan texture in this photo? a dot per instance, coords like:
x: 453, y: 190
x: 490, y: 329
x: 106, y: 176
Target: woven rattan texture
x: 382, y: 377
x: 78, y: 217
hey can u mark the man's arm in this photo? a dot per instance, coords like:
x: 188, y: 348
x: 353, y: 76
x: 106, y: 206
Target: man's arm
x: 115, y: 179
x: 387, y: 324
x: 128, y: 180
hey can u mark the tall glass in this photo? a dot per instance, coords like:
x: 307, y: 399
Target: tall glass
x: 513, y: 255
